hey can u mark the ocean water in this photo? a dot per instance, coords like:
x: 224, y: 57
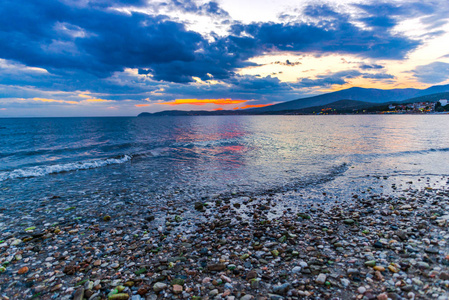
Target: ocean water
x: 191, y: 158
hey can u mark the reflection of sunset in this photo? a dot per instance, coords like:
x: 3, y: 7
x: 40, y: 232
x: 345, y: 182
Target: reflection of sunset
x: 236, y: 148
x: 203, y: 102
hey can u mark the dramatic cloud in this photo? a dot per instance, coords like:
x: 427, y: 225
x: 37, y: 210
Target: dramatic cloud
x: 337, y: 35
x: 87, y: 40
x: 150, y: 51
x: 340, y: 78
x: 435, y: 72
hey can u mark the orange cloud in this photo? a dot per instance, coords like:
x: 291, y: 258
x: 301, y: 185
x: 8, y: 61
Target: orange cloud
x: 203, y: 102
x: 218, y: 108
x: 97, y: 100
x: 252, y: 106
x: 141, y: 105
x: 55, y: 101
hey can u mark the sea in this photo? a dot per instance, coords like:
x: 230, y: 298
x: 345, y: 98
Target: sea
x: 196, y: 158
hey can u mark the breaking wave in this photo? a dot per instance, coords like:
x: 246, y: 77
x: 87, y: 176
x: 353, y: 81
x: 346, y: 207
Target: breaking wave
x: 54, y: 169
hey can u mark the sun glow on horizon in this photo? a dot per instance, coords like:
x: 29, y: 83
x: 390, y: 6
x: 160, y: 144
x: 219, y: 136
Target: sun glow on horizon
x: 203, y: 102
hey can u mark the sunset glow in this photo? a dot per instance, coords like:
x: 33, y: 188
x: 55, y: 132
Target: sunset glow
x: 203, y: 102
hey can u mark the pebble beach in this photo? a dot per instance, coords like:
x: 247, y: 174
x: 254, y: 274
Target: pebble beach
x: 231, y: 246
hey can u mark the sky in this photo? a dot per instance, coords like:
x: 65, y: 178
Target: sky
x: 123, y: 57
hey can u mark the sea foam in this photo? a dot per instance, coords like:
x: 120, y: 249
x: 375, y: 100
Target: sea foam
x: 54, y: 169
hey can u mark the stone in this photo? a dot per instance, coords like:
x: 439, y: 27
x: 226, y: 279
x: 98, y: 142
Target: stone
x: 382, y: 296
x: 251, y: 274
x: 120, y: 296
x: 393, y: 269
x: 216, y: 267
x: 159, y: 286
x: 321, y: 279
x: 345, y: 282
x: 423, y: 265
x: 444, y: 276
x: 281, y: 289
x: 79, y: 294
x: 370, y: 263
x: 361, y: 290
x: 23, y: 270
x: 177, y: 289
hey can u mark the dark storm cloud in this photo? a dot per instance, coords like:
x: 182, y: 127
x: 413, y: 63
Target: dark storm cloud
x: 435, y: 72
x: 62, y: 38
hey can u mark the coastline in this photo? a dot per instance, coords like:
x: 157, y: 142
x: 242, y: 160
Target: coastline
x: 371, y: 245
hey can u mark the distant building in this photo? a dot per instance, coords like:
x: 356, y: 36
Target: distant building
x: 391, y: 106
x: 443, y: 102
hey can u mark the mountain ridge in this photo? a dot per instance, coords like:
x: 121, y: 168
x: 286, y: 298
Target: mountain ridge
x: 354, y: 93
x: 369, y: 96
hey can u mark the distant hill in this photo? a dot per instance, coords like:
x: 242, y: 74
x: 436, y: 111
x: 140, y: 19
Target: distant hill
x: 349, y: 99
x: 355, y: 93
x: 189, y: 113
x: 340, y: 106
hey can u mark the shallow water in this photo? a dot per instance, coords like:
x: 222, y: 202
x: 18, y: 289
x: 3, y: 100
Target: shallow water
x: 196, y: 157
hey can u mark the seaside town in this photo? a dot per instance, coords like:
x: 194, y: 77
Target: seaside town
x: 440, y: 106
x: 418, y: 107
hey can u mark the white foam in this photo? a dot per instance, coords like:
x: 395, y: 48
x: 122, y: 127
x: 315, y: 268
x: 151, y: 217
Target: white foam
x: 53, y: 169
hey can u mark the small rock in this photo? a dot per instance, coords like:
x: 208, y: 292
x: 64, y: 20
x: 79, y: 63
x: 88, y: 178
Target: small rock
x: 382, y: 296
x: 79, y: 294
x: 321, y: 279
x: 361, y: 290
x: 159, y: 286
x: 444, y: 276
x: 177, y: 289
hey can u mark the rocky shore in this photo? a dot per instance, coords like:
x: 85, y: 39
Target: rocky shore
x: 369, y: 246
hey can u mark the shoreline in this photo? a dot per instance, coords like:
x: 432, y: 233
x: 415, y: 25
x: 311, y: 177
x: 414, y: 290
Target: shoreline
x: 372, y: 246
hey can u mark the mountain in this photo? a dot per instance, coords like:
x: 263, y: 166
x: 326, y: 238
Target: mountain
x: 355, y: 93
x: 349, y: 99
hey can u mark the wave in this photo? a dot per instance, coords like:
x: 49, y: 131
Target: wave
x: 54, y: 169
x: 412, y: 152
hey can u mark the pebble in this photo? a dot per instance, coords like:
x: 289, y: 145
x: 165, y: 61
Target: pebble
x: 321, y: 279
x: 159, y: 286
